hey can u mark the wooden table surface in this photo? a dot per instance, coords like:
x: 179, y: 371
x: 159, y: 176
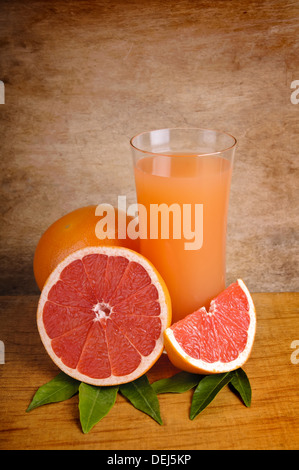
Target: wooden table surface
x: 272, y: 421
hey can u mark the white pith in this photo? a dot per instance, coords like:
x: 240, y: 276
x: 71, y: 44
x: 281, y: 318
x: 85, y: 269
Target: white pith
x: 219, y: 366
x: 146, y: 361
x: 99, y: 311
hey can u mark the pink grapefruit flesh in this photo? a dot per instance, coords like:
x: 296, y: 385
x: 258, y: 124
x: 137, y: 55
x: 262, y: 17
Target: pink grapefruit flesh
x: 216, y: 341
x: 102, y: 314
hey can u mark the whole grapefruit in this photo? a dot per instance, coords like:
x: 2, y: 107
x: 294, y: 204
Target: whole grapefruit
x: 74, y: 231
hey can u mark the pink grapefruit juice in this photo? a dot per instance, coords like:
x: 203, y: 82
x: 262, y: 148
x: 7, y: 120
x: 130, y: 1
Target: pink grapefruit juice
x: 193, y: 276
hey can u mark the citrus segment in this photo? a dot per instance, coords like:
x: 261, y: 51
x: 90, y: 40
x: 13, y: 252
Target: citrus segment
x: 216, y: 341
x: 94, y: 359
x: 68, y: 347
x: 59, y: 319
x: 135, y: 303
x: 102, y: 314
x: 124, y: 358
x: 95, y: 267
x: 141, y: 333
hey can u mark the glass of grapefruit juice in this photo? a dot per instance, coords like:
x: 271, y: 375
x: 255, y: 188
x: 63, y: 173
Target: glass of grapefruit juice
x: 182, y: 178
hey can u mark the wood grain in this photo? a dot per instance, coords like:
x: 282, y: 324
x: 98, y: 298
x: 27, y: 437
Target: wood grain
x: 272, y: 421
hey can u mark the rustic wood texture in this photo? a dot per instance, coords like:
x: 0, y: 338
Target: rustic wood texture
x: 82, y: 77
x: 272, y: 421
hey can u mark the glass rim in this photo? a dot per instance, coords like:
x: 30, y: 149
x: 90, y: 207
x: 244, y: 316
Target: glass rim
x: 216, y: 131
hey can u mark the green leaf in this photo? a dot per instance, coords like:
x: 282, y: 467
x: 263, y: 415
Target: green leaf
x: 142, y: 395
x: 206, y: 391
x: 58, y: 389
x: 94, y: 404
x: 178, y: 383
x: 240, y: 383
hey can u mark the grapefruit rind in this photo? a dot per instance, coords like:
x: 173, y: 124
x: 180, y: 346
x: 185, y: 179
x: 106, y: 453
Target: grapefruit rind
x: 183, y: 361
x: 165, y: 314
x: 73, y: 231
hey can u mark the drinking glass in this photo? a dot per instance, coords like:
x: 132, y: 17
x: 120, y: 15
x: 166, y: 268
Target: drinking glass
x: 182, y: 178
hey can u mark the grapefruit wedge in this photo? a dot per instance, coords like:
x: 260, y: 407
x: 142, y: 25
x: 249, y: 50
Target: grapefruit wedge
x: 216, y: 341
x: 102, y: 314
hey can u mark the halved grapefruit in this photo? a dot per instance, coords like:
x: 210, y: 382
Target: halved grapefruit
x: 102, y: 314
x: 216, y: 341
